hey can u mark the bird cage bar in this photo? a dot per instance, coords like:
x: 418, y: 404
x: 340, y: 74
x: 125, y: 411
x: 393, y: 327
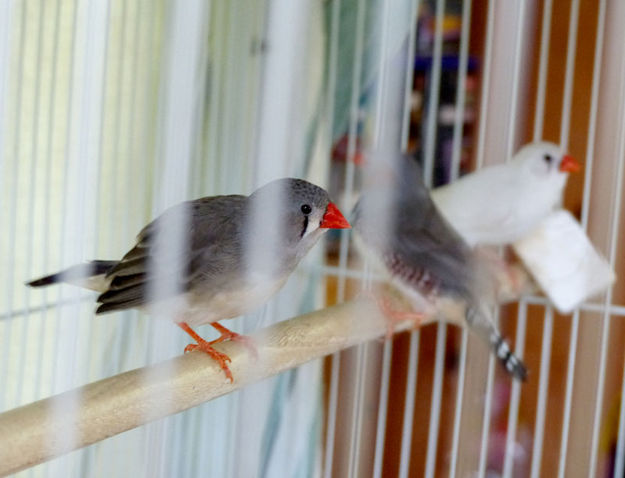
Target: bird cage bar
x: 415, y: 335
x: 564, y: 133
x: 537, y: 448
x: 348, y: 186
x: 428, y: 169
x: 517, y: 22
x: 618, y: 39
x: 545, y: 40
x: 539, y: 426
x: 385, y: 99
x: 619, y: 466
x: 455, y: 171
x: 589, y: 161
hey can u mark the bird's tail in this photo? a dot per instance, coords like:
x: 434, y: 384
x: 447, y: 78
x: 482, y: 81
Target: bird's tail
x: 84, y: 275
x: 485, y: 328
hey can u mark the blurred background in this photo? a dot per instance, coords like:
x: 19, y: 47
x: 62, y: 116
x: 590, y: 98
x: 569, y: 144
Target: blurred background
x: 113, y: 110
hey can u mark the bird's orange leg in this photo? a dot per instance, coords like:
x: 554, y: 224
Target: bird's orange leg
x: 227, y: 334
x: 206, y: 347
x: 394, y: 316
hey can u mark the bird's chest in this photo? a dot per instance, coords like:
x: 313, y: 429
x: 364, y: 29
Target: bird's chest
x: 418, y: 279
x: 531, y: 207
x: 232, y: 301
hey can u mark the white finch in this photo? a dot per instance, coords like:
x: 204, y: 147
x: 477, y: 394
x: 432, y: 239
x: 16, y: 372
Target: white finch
x: 400, y: 228
x: 500, y: 204
x: 214, y: 273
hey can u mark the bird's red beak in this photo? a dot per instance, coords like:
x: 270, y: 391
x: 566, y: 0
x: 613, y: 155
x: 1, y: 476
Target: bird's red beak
x: 569, y: 164
x: 333, y: 219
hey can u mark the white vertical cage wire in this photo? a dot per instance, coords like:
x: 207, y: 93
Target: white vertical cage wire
x: 348, y: 187
x: 378, y: 136
x: 414, y: 336
x: 484, y: 108
x: 612, y: 255
x: 548, y: 318
x: 455, y: 171
x: 584, y: 219
x: 428, y: 169
x: 335, y: 366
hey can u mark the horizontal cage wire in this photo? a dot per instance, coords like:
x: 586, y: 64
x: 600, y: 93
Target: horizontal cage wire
x: 113, y: 111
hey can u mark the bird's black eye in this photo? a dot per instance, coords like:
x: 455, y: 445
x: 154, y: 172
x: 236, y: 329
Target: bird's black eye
x: 548, y: 158
x: 306, y: 209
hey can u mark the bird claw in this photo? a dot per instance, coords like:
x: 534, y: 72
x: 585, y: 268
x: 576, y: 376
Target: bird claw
x: 221, y: 358
x: 394, y: 316
x: 207, y: 347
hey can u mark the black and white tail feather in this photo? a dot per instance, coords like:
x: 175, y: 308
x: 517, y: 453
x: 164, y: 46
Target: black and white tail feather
x: 485, y: 327
x: 90, y: 275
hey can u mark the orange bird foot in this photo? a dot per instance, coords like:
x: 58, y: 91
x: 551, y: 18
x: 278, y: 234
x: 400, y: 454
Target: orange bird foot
x: 206, y: 347
x: 394, y: 316
x: 227, y: 334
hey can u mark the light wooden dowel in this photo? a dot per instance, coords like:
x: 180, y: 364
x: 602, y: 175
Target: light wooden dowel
x: 39, y: 431
x: 51, y: 427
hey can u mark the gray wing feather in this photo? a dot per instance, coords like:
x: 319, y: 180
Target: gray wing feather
x: 212, y: 244
x: 414, y: 231
x: 437, y: 248
x: 418, y: 238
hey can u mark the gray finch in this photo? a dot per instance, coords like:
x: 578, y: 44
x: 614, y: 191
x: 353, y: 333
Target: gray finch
x: 233, y: 254
x: 401, y: 229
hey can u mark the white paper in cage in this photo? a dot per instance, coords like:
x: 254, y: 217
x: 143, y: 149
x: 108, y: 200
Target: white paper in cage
x: 564, y: 262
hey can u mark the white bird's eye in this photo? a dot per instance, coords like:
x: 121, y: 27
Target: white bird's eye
x: 548, y: 158
x: 306, y: 209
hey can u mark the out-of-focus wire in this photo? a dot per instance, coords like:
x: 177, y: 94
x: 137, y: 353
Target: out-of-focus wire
x: 542, y: 70
x: 592, y: 127
x: 344, y: 240
x: 522, y: 312
x: 455, y: 173
x: 428, y: 173
x: 380, y: 430
x: 612, y: 255
x: 411, y: 389
x: 539, y: 426
x: 485, y: 90
x: 415, y: 335
x: 12, y: 211
x: 33, y: 167
x: 513, y: 412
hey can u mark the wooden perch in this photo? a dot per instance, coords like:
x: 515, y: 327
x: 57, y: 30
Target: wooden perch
x: 40, y: 431
x: 36, y: 432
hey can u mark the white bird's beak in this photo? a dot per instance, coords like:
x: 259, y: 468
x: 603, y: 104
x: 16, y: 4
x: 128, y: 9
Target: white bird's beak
x: 569, y: 164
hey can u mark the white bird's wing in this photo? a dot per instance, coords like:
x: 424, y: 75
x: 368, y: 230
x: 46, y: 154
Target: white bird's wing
x: 483, y: 208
